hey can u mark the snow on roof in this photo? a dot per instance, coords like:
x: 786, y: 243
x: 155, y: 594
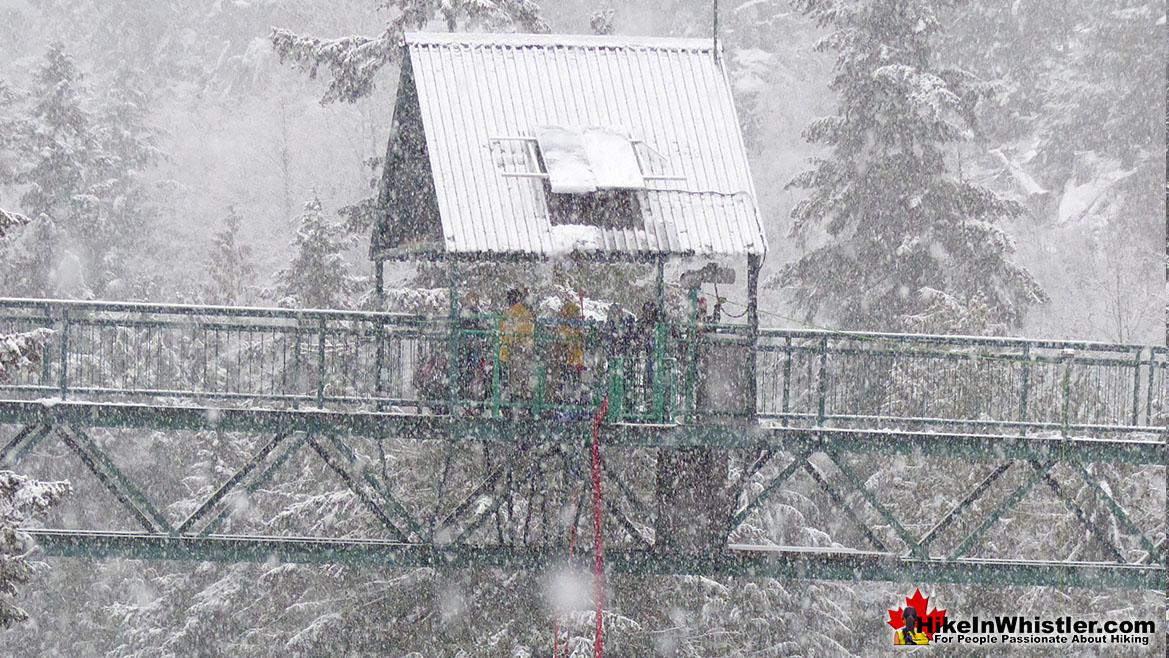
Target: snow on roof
x: 484, y: 97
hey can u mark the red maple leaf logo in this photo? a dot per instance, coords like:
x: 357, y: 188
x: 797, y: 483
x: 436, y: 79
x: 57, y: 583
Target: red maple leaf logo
x: 930, y: 621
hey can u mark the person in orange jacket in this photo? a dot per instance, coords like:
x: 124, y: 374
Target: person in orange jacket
x: 516, y: 346
x: 566, y: 358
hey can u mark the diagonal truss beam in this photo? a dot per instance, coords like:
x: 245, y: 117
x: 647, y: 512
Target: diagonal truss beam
x: 915, y: 548
x: 845, y: 507
x: 513, y: 459
x: 24, y: 441
x: 526, y: 466
x: 1081, y: 515
x: 1003, y: 507
x: 114, y: 480
x: 628, y: 494
x: 372, y: 505
x: 959, y: 509
x: 378, y: 486
x: 770, y: 489
x: 1121, y: 515
x: 235, y: 479
x: 283, y: 453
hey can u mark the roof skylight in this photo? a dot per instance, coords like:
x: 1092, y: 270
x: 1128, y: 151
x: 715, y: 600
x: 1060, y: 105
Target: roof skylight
x: 579, y: 160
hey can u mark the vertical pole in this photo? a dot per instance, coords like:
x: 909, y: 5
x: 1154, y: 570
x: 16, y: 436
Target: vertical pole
x: 538, y: 399
x: 753, y: 266
x: 1149, y: 388
x: 787, y: 376
x: 823, y: 382
x: 1136, y: 386
x: 452, y: 334
x: 379, y: 332
x: 714, y: 33
x: 321, y: 361
x: 691, y: 354
x: 659, y: 360
x: 661, y: 283
x: 598, y: 571
x: 64, y: 378
x: 1026, y: 387
x: 298, y: 380
x: 379, y: 288
x: 1069, y: 358
x: 660, y: 337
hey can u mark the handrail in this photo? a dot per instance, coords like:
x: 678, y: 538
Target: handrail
x: 198, y: 309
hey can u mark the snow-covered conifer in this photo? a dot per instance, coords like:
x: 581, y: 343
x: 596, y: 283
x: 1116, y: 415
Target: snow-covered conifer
x: 230, y: 265
x: 910, y: 245
x: 20, y: 499
x: 353, y: 61
x: 317, y: 276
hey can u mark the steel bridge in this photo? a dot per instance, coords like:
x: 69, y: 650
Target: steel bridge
x: 221, y: 433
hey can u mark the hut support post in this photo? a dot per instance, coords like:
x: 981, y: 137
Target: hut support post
x: 753, y: 266
x: 453, y: 335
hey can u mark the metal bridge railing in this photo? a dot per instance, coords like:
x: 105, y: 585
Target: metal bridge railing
x: 815, y: 378
x: 172, y: 354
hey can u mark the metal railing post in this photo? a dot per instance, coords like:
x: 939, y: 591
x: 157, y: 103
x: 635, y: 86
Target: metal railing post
x: 787, y: 376
x: 1026, y: 388
x: 1152, y: 382
x: 379, y: 353
x: 321, y: 362
x: 823, y: 381
x: 1136, y: 386
x: 1069, y: 358
x: 63, y: 382
x: 659, y: 357
x: 298, y: 374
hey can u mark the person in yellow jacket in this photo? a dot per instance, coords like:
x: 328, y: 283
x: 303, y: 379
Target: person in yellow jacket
x: 909, y: 634
x: 566, y: 358
x: 516, y: 329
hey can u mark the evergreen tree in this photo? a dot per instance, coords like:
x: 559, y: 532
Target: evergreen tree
x: 27, y: 258
x: 230, y: 266
x: 12, y: 128
x: 84, y: 168
x: 318, y: 276
x: 354, y: 61
x: 1013, y: 45
x: 20, y: 500
x: 127, y: 149
x: 20, y: 497
x: 60, y: 144
x: 1102, y: 93
x: 10, y: 220
x: 910, y: 246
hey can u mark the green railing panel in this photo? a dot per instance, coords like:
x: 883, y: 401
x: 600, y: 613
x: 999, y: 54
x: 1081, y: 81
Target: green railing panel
x: 666, y: 373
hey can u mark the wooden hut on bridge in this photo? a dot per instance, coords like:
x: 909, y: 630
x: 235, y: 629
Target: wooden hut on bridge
x: 611, y: 149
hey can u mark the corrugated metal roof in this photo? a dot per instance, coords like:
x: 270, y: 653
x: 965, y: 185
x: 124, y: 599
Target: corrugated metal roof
x: 480, y: 93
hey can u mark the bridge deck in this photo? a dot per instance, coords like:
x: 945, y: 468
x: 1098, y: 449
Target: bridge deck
x: 329, y: 388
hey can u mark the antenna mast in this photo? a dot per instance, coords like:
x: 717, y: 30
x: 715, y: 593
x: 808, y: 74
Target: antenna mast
x: 714, y: 32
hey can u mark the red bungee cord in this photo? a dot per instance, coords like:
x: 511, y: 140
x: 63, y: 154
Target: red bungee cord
x: 598, y: 571
x: 598, y: 574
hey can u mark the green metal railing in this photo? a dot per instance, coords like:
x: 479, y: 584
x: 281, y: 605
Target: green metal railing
x: 678, y: 373
x: 813, y: 378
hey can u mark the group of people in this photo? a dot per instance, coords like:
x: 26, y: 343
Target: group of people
x: 569, y: 349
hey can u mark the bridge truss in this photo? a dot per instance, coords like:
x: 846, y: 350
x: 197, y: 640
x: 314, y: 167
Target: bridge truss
x: 263, y: 434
